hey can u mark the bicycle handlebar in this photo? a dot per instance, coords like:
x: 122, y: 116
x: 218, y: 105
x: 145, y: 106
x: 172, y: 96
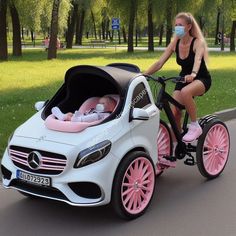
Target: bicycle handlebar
x: 163, y: 79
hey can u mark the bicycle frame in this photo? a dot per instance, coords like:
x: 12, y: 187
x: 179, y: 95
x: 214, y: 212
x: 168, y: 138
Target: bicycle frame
x: 164, y: 101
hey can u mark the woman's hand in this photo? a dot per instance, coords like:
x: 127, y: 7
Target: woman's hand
x: 189, y: 78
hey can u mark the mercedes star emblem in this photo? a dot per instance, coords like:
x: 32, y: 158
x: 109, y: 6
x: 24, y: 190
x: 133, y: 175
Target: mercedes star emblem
x: 34, y: 160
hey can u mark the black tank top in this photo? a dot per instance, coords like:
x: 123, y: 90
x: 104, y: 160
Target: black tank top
x: 187, y: 63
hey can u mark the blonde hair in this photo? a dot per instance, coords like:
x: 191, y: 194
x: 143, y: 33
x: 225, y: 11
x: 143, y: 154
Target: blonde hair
x: 195, y: 30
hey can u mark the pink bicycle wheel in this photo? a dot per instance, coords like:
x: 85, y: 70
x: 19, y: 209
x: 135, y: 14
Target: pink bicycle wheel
x: 213, y: 149
x: 135, y: 183
x: 164, y: 146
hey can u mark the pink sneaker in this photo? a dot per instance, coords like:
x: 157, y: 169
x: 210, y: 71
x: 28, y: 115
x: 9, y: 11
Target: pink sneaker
x: 193, y: 133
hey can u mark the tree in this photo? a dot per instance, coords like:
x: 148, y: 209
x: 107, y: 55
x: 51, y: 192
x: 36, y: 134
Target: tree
x: 80, y: 26
x: 233, y: 28
x: 150, y: 27
x: 72, y: 18
x: 125, y: 10
x: 217, y: 25
x: 30, y: 12
x: 132, y: 9
x: 232, y: 36
x: 16, y: 30
x: 3, y: 30
x: 169, y: 15
x: 52, y: 50
x: 94, y: 24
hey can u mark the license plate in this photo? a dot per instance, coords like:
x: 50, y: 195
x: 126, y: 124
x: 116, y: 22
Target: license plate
x: 34, y: 179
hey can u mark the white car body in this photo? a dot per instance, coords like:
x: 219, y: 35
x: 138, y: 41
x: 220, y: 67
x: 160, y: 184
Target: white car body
x: 125, y: 134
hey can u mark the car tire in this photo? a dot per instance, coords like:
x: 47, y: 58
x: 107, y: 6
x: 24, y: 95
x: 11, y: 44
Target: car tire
x: 133, y: 185
x: 213, y: 149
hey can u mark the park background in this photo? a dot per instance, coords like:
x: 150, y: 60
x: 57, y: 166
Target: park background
x: 84, y: 27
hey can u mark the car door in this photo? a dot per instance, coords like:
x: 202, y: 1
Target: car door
x: 144, y: 132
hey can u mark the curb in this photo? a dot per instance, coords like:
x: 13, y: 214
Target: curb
x: 225, y: 115
x: 228, y: 114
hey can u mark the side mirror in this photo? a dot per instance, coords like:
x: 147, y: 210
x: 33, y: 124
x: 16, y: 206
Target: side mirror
x: 39, y: 105
x: 140, y: 114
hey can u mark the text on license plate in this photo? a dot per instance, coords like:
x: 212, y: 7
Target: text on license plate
x: 35, y: 179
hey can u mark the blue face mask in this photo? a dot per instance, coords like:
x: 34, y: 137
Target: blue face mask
x: 179, y: 31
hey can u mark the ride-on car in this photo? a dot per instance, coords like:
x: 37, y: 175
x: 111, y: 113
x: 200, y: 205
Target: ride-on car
x: 113, y: 160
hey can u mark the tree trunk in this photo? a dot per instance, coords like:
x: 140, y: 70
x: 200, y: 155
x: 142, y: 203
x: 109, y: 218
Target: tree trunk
x: 32, y: 35
x: 136, y: 37
x: 111, y: 35
x: 103, y: 29
x: 94, y: 25
x: 16, y: 31
x: 161, y: 34
x: 119, y: 37
x: 131, y: 25
x: 124, y: 34
x: 169, y: 21
x: 232, y: 36
x: 3, y: 31
x: 22, y: 33
x: 150, y: 27
x: 81, y: 27
x: 217, y: 27
x: 201, y: 22
x: 77, y: 25
x: 52, y: 50
x: 71, y: 26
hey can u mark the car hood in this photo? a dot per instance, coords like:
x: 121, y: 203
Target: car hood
x: 34, y: 128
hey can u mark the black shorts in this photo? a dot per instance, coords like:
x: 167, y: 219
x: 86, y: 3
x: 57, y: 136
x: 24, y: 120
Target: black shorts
x: 206, y: 82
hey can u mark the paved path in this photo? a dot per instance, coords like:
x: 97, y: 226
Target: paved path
x: 184, y: 204
x: 211, y: 49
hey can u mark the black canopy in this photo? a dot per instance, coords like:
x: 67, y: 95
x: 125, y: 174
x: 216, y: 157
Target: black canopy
x: 85, y: 81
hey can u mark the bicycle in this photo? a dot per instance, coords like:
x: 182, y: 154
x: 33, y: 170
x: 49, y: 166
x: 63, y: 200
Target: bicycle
x: 212, y: 147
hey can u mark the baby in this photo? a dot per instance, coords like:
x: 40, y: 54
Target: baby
x: 103, y: 109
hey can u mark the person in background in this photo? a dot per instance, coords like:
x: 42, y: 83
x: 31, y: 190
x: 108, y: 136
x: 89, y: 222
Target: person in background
x: 46, y: 43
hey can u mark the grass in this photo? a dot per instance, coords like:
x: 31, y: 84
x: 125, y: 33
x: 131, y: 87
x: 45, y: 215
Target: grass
x: 32, y: 78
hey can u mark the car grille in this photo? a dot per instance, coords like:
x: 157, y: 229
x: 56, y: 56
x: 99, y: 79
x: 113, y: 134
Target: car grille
x: 51, y: 163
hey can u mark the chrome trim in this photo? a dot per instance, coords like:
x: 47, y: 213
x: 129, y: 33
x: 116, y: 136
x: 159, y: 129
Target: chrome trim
x: 97, y: 203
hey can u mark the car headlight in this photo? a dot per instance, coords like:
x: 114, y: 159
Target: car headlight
x: 93, y: 154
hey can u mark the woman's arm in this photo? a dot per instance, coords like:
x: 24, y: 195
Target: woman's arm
x: 199, y: 53
x: 165, y: 56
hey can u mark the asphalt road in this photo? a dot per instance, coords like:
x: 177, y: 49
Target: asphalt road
x: 184, y: 204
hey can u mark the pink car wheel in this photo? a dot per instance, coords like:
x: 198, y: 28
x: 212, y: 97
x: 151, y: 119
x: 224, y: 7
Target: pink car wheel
x: 133, y: 185
x: 213, y: 149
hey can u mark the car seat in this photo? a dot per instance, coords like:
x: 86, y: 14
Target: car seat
x: 67, y: 126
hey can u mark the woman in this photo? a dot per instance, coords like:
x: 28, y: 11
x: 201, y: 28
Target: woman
x: 191, y: 51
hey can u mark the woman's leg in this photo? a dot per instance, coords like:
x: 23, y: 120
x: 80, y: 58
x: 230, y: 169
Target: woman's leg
x: 196, y: 88
x: 176, y: 111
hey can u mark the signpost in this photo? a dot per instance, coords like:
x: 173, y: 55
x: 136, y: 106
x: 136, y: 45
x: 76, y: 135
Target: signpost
x: 115, y: 25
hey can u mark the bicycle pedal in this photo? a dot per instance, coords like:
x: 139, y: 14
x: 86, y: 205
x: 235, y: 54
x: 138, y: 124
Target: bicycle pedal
x: 170, y: 158
x: 189, y: 162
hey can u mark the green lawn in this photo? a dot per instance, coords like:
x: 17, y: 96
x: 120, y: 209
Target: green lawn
x: 31, y: 78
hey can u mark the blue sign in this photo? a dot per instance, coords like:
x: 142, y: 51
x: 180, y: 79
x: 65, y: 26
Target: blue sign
x: 115, y: 23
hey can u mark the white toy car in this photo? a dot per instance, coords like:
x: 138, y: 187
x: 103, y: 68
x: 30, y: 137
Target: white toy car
x: 111, y: 161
